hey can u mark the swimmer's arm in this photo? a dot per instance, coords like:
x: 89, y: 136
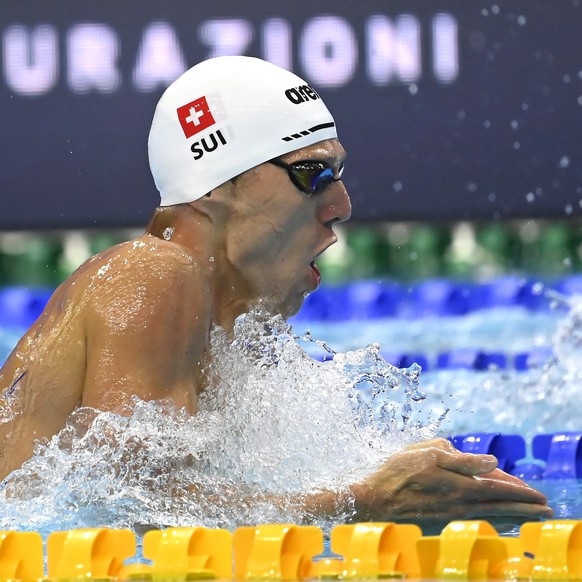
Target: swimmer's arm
x: 430, y: 483
x: 146, y: 332
x: 433, y: 482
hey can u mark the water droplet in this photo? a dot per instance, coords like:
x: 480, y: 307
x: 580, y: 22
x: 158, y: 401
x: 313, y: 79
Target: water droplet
x: 564, y: 162
x: 492, y: 197
x: 530, y: 197
x: 495, y: 9
x: 397, y: 186
x: 537, y: 288
x: 567, y: 78
x: 487, y: 124
x: 413, y: 89
x: 516, y: 145
x: 521, y: 20
x: 569, y: 209
x: 211, y: 259
x: 514, y: 124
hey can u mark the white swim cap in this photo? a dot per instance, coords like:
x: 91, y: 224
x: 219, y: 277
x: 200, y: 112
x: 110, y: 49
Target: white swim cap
x: 225, y: 116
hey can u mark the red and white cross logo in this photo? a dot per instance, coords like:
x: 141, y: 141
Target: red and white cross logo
x: 195, y: 116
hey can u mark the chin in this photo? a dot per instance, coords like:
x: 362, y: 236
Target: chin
x: 286, y: 304
x: 287, y: 308
x: 291, y: 311
x: 294, y: 305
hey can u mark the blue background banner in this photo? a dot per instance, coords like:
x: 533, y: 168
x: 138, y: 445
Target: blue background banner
x: 449, y: 109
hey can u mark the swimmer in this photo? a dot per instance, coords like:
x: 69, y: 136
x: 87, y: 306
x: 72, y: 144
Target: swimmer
x: 248, y: 163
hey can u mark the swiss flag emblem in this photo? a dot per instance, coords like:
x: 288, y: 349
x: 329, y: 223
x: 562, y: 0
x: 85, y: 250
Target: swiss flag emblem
x: 195, y: 116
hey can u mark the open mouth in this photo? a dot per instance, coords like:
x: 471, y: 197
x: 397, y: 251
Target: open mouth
x: 316, y: 272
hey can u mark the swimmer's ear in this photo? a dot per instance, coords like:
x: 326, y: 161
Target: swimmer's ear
x: 165, y: 217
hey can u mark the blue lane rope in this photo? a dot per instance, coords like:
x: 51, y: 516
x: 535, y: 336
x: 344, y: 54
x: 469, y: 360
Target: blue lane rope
x: 552, y: 456
x: 465, y: 359
x: 369, y: 300
x: 365, y: 300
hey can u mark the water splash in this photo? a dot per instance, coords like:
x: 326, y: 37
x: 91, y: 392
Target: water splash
x: 277, y: 423
x: 541, y: 400
x: 274, y: 424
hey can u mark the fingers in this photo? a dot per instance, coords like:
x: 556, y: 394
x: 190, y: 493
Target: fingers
x: 433, y: 480
x: 503, y: 512
x: 449, y: 457
x: 506, y: 509
x: 471, y: 476
x: 470, y: 496
x: 474, y: 481
x: 447, y: 510
x: 466, y: 463
x: 500, y: 485
x: 487, y: 479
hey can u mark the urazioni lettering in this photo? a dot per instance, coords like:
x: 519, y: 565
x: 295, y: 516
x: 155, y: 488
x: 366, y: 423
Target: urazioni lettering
x: 208, y: 144
x: 301, y: 94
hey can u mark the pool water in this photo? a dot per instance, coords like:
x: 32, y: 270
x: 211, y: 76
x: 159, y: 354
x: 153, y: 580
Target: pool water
x: 299, y: 409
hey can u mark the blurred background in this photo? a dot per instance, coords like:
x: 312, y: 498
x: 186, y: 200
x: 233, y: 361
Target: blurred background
x: 462, y: 121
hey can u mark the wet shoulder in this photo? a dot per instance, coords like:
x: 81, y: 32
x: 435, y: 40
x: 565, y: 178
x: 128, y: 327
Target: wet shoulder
x: 146, y: 259
x: 149, y: 248
x: 145, y: 277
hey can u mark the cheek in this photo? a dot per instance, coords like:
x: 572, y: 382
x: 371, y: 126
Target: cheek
x: 255, y: 242
x: 276, y: 234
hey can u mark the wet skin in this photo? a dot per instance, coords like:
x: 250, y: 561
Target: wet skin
x: 135, y: 321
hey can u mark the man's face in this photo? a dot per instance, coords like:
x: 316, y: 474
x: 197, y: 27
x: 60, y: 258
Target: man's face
x: 276, y: 231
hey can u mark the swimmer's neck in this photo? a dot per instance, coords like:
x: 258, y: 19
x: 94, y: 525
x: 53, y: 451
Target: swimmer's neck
x: 197, y: 235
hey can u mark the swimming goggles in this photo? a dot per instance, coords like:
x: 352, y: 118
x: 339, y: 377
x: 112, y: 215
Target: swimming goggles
x: 310, y: 176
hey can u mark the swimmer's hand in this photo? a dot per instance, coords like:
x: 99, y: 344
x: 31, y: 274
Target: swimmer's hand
x: 434, y: 482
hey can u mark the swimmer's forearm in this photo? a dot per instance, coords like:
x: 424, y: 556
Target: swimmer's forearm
x: 350, y: 504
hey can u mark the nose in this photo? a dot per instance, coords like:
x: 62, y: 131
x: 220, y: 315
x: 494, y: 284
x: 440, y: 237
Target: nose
x: 336, y: 205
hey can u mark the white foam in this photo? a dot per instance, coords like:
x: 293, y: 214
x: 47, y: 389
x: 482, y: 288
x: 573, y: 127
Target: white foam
x: 274, y: 423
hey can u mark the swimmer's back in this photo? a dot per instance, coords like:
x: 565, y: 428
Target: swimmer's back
x: 93, y: 345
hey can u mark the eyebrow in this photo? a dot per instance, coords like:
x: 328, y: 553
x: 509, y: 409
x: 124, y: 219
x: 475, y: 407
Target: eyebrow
x: 330, y: 160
